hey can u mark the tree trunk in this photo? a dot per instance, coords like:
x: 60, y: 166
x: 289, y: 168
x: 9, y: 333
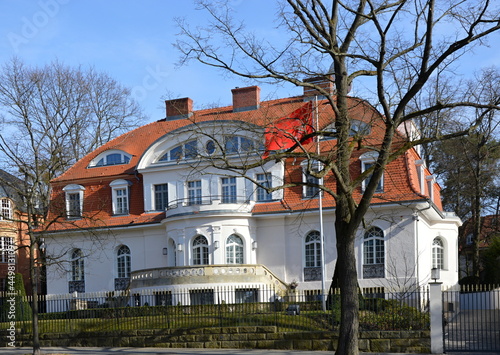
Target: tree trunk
x: 348, y: 282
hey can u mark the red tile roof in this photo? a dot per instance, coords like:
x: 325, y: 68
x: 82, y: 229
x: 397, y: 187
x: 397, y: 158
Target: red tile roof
x: 401, y: 181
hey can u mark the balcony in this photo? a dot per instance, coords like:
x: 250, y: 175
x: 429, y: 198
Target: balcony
x: 201, y: 275
x: 209, y: 204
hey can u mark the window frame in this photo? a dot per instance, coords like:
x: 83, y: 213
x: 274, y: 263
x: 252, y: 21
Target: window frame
x: 194, y: 192
x: 367, y: 161
x: 101, y: 159
x: 74, y: 208
x: 123, y: 262
x: 261, y: 195
x: 200, y: 250
x: 186, y: 150
x: 120, y: 190
x: 374, y: 253
x: 235, y: 251
x: 160, y: 196
x: 372, y: 257
x: 229, y: 190
x: 438, y: 254
x: 77, y: 265
x: 308, y: 191
x: 234, y: 144
x: 6, y: 209
x: 312, y: 249
x: 246, y: 295
x: 6, y: 248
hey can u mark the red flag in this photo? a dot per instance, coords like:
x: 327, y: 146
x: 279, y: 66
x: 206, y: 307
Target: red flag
x: 289, y: 130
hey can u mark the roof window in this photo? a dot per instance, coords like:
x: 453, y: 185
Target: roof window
x: 110, y: 157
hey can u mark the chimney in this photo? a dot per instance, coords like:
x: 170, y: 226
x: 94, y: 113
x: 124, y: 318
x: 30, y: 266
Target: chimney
x: 324, y: 82
x: 179, y: 108
x: 246, y: 99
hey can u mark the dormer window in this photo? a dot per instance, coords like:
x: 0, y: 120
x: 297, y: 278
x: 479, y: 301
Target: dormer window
x: 311, y: 187
x: 6, y: 209
x: 367, y: 161
x: 359, y: 128
x: 430, y: 186
x: 238, y: 144
x: 188, y: 150
x: 420, y: 164
x: 110, y: 157
x: 74, y: 200
x: 120, y: 193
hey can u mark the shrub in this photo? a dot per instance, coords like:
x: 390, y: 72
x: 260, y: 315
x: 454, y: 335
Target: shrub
x: 19, y: 309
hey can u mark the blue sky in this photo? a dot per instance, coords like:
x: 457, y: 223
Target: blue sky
x: 128, y: 39
x: 132, y: 40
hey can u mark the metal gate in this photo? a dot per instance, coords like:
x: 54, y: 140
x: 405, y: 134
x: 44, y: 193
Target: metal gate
x: 471, y: 320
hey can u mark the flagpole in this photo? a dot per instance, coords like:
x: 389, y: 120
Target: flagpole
x: 320, y: 202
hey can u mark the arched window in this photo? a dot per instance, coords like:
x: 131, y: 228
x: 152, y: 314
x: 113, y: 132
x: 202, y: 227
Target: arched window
x: 312, y: 267
x: 123, y: 262
x: 437, y: 253
x: 187, y: 150
x: 77, y: 281
x: 313, y: 249
x: 373, y: 253
x: 77, y: 266
x: 234, y: 250
x: 110, y: 157
x: 200, y: 250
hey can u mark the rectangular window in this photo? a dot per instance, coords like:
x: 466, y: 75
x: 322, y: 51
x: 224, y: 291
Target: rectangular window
x: 194, y: 192
x: 163, y: 298
x: 229, y: 190
x: 5, y: 209
x: 246, y: 295
x: 191, y: 149
x: 200, y: 297
x: 74, y: 205
x: 311, y: 191
x: 121, y: 201
x: 6, y: 247
x: 161, y: 197
x: 380, y: 186
x: 265, y: 181
x: 231, y: 144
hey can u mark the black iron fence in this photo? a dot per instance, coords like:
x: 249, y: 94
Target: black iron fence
x: 472, y: 319
x: 297, y: 310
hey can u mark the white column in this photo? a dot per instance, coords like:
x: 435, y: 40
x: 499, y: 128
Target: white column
x: 436, y: 315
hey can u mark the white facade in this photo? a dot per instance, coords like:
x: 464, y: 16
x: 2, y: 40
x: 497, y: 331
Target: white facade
x: 211, y: 235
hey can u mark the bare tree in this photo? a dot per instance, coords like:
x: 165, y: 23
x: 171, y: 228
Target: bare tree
x: 53, y: 116
x: 398, y: 45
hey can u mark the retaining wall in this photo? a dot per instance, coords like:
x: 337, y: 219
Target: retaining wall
x: 260, y: 337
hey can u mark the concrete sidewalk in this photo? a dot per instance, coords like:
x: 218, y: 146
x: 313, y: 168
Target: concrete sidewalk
x: 158, y: 351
